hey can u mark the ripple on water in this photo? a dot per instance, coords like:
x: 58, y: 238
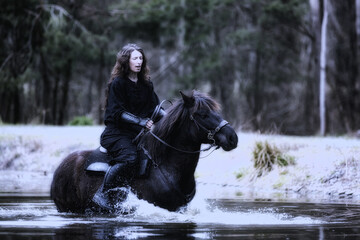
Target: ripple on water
x: 199, y: 211
x: 36, y: 214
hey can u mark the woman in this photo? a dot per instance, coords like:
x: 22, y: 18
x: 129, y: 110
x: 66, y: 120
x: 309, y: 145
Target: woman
x: 130, y: 103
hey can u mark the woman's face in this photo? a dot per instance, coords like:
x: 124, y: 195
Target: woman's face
x: 135, y: 61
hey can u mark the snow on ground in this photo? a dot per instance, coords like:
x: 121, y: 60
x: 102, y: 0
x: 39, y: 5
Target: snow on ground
x: 326, y: 169
x: 30, y: 154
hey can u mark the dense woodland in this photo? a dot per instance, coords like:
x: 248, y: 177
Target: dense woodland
x: 259, y: 59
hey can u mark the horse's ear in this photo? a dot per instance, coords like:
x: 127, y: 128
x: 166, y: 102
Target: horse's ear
x: 189, y: 101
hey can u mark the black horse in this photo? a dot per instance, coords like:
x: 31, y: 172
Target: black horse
x: 174, y: 146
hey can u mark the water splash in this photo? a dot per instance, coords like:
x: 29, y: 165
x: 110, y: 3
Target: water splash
x: 201, y: 211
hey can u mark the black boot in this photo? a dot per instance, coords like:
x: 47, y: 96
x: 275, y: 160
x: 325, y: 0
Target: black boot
x: 115, y: 177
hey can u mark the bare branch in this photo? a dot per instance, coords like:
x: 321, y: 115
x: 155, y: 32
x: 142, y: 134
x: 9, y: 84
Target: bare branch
x: 52, y: 8
x: 6, y: 60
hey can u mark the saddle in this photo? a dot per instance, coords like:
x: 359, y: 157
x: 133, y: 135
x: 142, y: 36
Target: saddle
x: 99, y: 160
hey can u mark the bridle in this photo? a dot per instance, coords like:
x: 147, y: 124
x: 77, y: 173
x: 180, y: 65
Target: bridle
x: 210, y: 135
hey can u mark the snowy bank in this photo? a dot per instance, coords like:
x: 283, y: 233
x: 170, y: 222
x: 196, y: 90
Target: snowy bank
x: 326, y: 169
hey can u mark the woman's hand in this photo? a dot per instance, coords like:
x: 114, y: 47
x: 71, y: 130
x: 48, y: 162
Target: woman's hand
x: 149, y: 124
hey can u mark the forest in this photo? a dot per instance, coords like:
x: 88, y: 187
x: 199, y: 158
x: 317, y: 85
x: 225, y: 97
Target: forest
x: 276, y: 66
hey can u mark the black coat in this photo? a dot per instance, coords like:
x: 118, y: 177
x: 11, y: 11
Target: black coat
x: 126, y: 95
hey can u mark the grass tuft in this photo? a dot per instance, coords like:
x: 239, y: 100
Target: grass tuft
x: 81, y: 121
x: 266, y: 156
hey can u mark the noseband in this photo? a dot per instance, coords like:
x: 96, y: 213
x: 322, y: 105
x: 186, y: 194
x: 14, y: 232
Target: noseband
x: 210, y: 133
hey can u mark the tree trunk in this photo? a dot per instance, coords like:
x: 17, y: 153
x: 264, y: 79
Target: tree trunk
x: 89, y: 97
x: 5, y: 106
x: 311, y: 90
x: 65, y: 94
x: 45, y: 100
x: 181, y: 28
x: 345, y: 78
x: 322, y: 89
x: 100, y: 87
x: 257, y: 98
x: 54, y: 109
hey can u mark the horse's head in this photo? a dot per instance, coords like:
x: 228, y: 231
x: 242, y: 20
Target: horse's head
x: 206, y: 123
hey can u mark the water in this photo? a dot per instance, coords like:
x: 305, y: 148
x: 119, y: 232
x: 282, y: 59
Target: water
x: 34, y: 216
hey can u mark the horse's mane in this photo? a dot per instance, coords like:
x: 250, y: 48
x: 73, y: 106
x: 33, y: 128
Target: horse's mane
x: 178, y: 118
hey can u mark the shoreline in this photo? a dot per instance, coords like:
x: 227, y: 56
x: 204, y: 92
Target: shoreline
x: 326, y: 168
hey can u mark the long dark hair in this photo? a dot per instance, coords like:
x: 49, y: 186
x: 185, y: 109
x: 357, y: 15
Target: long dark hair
x: 122, y: 66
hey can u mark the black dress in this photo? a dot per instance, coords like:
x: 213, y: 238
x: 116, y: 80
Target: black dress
x: 136, y: 98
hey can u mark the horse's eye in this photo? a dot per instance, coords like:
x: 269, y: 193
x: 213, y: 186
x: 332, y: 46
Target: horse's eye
x: 202, y: 115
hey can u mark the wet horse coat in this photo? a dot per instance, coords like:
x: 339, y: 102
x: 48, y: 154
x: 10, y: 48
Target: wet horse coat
x: 171, y: 183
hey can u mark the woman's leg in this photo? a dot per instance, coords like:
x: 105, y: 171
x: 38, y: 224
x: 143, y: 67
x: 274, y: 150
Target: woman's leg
x: 120, y: 174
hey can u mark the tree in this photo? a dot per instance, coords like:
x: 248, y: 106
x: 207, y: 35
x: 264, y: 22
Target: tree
x: 323, y: 70
x: 21, y: 35
x: 259, y: 59
x: 344, y: 66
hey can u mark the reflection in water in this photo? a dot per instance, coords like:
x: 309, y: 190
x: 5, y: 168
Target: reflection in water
x: 35, y: 217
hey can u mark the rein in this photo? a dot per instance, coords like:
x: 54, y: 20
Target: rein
x: 210, y: 136
x: 180, y: 150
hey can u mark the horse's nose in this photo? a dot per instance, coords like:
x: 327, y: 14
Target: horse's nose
x: 233, y: 140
